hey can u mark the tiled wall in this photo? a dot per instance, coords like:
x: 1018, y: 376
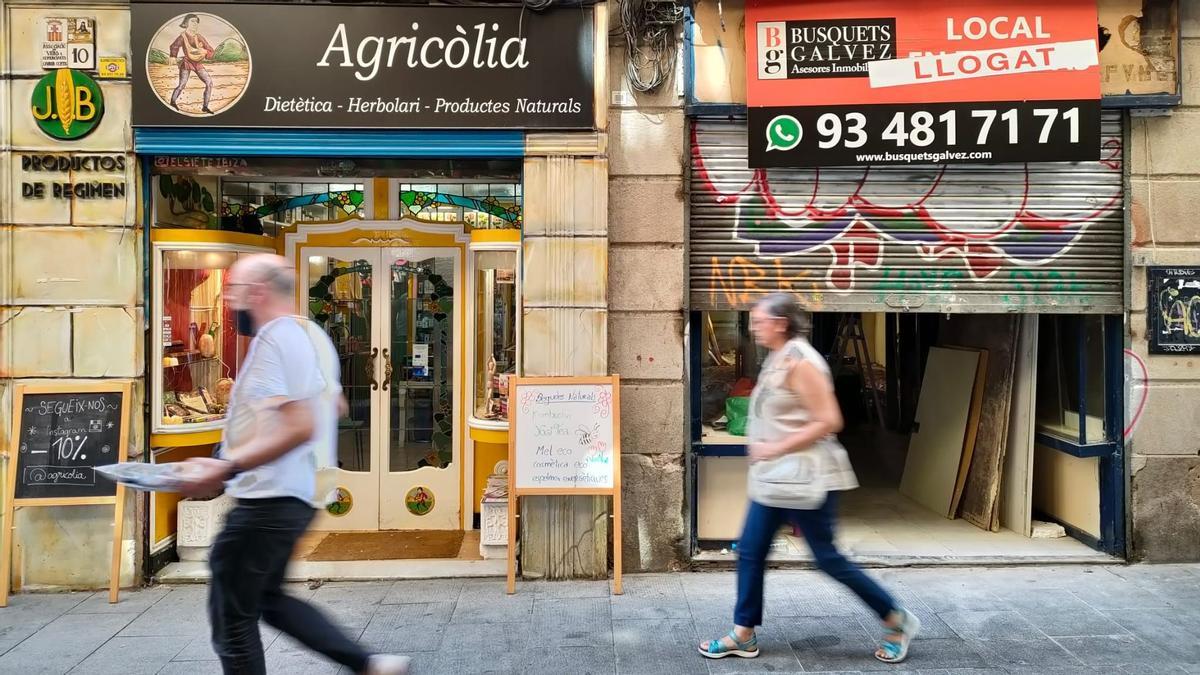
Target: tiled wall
x: 70, y: 281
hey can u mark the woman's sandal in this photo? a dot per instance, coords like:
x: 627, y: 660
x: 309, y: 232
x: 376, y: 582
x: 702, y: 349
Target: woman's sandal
x: 717, y: 649
x: 895, y: 651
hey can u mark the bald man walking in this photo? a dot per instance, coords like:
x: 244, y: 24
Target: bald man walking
x: 281, y: 416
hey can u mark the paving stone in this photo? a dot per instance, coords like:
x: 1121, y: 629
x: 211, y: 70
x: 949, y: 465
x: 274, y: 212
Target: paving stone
x: 1114, y: 650
x: 183, y: 613
x: 27, y: 613
x: 1024, y: 655
x: 350, y: 605
x: 61, y: 644
x: 128, y: 602
x: 572, y: 623
x: 419, y: 592
x: 499, y: 609
x: 567, y: 589
x: 192, y: 668
x: 985, y: 625
x: 828, y: 643
x: 569, y: 628
x: 130, y: 656
x: 574, y: 660
x: 1042, y: 599
x: 657, y: 647
x: 304, y: 661
x: 653, y: 596
x: 483, y: 648
x: 199, y: 648
x: 819, y: 595
x: 402, y: 629
x: 1075, y: 622
x: 1174, y: 632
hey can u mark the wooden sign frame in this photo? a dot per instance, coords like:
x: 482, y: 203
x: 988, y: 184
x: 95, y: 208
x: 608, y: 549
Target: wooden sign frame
x: 515, y: 493
x: 11, y: 503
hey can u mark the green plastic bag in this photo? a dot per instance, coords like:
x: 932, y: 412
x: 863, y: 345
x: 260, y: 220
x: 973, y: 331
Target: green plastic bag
x: 737, y: 412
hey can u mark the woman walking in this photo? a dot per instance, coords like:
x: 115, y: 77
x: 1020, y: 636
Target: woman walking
x: 797, y: 467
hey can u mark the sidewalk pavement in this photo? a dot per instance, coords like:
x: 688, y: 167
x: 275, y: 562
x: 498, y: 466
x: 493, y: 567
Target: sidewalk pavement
x: 1051, y: 620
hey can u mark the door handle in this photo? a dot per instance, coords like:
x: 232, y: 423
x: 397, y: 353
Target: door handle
x: 371, y: 369
x: 387, y: 369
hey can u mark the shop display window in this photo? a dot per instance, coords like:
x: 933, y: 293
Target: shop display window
x: 481, y: 206
x: 729, y: 365
x: 198, y: 349
x: 204, y: 202
x: 495, y: 331
x: 1071, y: 377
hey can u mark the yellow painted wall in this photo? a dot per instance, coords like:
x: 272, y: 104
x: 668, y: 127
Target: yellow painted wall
x: 166, y: 504
x: 486, y: 456
x: 1067, y: 488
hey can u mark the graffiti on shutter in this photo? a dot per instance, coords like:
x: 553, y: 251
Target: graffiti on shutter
x: 963, y: 238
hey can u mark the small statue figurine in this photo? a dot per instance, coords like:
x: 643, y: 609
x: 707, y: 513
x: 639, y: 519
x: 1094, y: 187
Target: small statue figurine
x: 489, y: 391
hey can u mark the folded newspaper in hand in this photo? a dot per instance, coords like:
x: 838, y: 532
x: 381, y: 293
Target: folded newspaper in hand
x: 142, y: 476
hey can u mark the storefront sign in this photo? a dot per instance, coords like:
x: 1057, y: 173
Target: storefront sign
x: 67, y: 104
x: 301, y: 65
x: 69, y: 42
x: 875, y: 83
x: 1173, y: 312
x: 71, y: 176
x: 112, y: 67
x: 1139, y: 51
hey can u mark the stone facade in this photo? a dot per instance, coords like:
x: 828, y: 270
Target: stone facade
x: 647, y: 291
x: 1165, y: 185
x: 70, y: 283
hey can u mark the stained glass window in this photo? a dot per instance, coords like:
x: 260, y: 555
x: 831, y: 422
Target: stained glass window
x: 482, y: 206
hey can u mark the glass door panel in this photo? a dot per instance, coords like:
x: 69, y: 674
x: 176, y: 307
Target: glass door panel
x: 339, y: 285
x: 422, y: 474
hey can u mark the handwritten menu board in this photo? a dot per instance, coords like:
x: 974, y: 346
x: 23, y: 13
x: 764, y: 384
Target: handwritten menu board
x: 1173, y: 310
x: 564, y: 437
x: 61, y: 438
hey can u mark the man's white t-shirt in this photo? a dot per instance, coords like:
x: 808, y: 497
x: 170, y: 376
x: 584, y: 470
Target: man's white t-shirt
x: 290, y: 359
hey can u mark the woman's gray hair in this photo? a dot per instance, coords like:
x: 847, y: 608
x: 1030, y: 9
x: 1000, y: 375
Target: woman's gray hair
x: 786, y: 306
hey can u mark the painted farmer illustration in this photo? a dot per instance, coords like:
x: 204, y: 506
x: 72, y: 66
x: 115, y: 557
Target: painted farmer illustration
x: 192, y: 50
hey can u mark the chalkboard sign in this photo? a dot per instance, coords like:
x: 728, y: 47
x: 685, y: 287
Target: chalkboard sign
x: 564, y: 436
x: 564, y: 439
x: 1173, y: 310
x: 61, y: 432
x: 62, y: 438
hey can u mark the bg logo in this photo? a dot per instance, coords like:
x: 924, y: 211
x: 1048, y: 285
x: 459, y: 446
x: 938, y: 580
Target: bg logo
x: 772, y: 50
x: 67, y: 104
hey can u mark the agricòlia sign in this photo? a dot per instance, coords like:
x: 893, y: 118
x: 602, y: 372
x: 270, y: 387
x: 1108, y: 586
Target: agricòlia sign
x: 363, y: 66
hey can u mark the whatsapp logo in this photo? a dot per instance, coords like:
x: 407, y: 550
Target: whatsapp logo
x: 784, y: 133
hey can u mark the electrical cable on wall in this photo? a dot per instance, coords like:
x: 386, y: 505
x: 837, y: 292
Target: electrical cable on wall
x: 648, y: 28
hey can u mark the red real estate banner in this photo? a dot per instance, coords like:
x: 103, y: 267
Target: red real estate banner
x: 868, y: 82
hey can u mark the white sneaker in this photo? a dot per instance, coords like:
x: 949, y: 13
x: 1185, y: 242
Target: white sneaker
x: 388, y: 664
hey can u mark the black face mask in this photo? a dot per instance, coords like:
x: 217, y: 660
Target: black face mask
x: 245, y: 325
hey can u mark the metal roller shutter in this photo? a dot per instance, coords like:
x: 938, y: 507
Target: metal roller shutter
x: 1034, y: 238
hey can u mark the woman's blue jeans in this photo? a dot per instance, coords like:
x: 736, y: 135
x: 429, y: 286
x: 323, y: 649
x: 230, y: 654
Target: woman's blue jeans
x: 762, y: 524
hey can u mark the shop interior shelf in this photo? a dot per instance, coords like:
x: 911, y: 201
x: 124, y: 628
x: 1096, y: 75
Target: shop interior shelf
x: 710, y: 436
x: 191, y: 359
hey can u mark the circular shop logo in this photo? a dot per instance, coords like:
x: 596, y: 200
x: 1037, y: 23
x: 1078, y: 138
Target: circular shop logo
x: 67, y: 104
x: 198, y: 64
x: 419, y: 501
x: 340, y: 502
